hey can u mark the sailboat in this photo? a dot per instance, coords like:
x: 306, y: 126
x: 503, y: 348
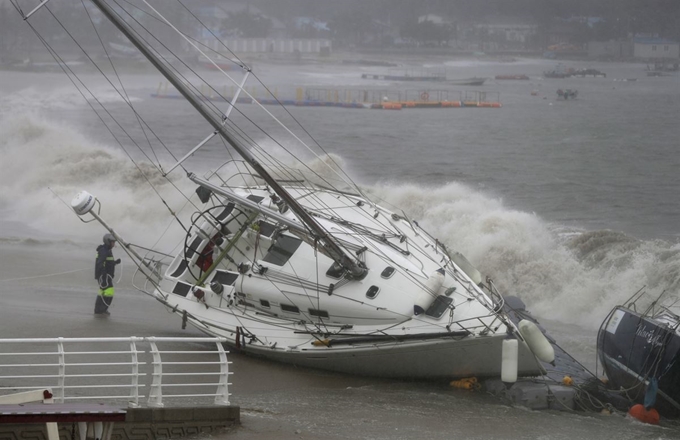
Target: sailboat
x: 302, y: 267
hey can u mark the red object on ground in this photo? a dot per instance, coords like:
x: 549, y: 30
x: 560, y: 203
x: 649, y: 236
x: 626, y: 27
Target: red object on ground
x: 650, y: 416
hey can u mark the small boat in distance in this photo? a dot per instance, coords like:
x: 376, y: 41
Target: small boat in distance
x: 560, y: 71
x: 475, y: 81
x: 640, y: 351
x: 588, y: 73
x: 512, y: 77
x: 567, y: 94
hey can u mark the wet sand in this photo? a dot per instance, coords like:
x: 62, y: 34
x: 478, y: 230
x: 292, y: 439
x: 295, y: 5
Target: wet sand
x: 277, y: 401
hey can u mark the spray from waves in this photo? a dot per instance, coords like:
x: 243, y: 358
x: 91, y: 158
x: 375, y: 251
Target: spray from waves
x: 37, y: 155
x: 574, y: 278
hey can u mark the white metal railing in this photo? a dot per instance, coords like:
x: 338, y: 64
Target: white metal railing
x: 104, y: 368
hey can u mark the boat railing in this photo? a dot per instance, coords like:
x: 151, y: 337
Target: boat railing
x: 150, y: 280
x: 243, y: 171
x: 118, y: 369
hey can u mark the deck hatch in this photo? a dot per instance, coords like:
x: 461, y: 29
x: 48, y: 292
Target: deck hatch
x: 254, y: 198
x: 267, y: 229
x: 181, y: 289
x: 439, y: 306
x: 283, y: 248
x: 225, y: 278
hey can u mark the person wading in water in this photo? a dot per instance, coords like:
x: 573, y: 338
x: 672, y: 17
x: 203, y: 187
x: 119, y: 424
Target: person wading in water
x: 104, y: 271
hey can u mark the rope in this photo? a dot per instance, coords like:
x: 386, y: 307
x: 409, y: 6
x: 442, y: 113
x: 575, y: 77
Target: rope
x: 43, y: 276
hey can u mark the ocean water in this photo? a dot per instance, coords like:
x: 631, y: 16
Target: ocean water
x: 570, y: 205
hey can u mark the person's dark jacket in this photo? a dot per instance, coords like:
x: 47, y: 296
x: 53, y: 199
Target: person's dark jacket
x: 105, y: 266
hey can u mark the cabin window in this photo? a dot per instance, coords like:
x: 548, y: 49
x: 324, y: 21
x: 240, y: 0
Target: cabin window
x: 439, y: 306
x: 335, y: 271
x: 264, y: 303
x: 180, y: 269
x: 254, y: 198
x: 372, y: 292
x: 181, y: 289
x: 225, y: 278
x: 290, y: 309
x: 387, y: 272
x: 283, y: 248
x: 318, y: 313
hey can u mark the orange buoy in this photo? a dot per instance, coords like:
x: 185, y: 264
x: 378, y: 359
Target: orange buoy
x: 568, y: 381
x: 468, y: 383
x: 391, y: 106
x: 639, y: 412
x: 461, y: 384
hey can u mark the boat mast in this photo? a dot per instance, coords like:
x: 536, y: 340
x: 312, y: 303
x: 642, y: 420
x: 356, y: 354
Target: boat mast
x: 335, y: 251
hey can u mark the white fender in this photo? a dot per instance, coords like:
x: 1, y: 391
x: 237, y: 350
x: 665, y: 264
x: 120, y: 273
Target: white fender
x: 427, y: 296
x: 467, y: 267
x: 509, y: 361
x: 536, y: 341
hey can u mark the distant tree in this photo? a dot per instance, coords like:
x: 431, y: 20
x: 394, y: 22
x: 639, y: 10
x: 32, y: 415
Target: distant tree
x: 426, y: 32
x: 246, y: 24
x: 350, y: 26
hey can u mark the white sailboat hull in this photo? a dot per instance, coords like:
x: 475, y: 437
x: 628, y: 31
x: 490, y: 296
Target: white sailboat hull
x: 441, y: 357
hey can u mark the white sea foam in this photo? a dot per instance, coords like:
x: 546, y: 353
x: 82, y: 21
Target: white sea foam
x: 575, y: 278
x: 41, y: 157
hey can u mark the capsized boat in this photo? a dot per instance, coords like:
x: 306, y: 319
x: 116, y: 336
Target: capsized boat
x: 301, y: 266
x: 640, y: 351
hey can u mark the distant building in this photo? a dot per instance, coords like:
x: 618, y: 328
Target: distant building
x: 276, y: 45
x: 611, y: 50
x: 505, y: 32
x: 651, y: 49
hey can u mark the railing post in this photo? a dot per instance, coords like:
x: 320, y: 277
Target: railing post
x: 156, y: 392
x: 62, y: 370
x: 222, y: 397
x: 134, y: 386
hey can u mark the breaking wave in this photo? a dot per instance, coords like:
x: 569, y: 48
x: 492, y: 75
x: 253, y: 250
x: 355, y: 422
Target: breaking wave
x: 565, y: 275
x: 46, y: 164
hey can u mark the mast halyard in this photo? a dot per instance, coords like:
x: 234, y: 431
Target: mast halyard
x: 355, y: 268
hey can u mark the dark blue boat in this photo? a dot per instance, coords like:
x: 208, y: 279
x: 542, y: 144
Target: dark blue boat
x: 639, y: 350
